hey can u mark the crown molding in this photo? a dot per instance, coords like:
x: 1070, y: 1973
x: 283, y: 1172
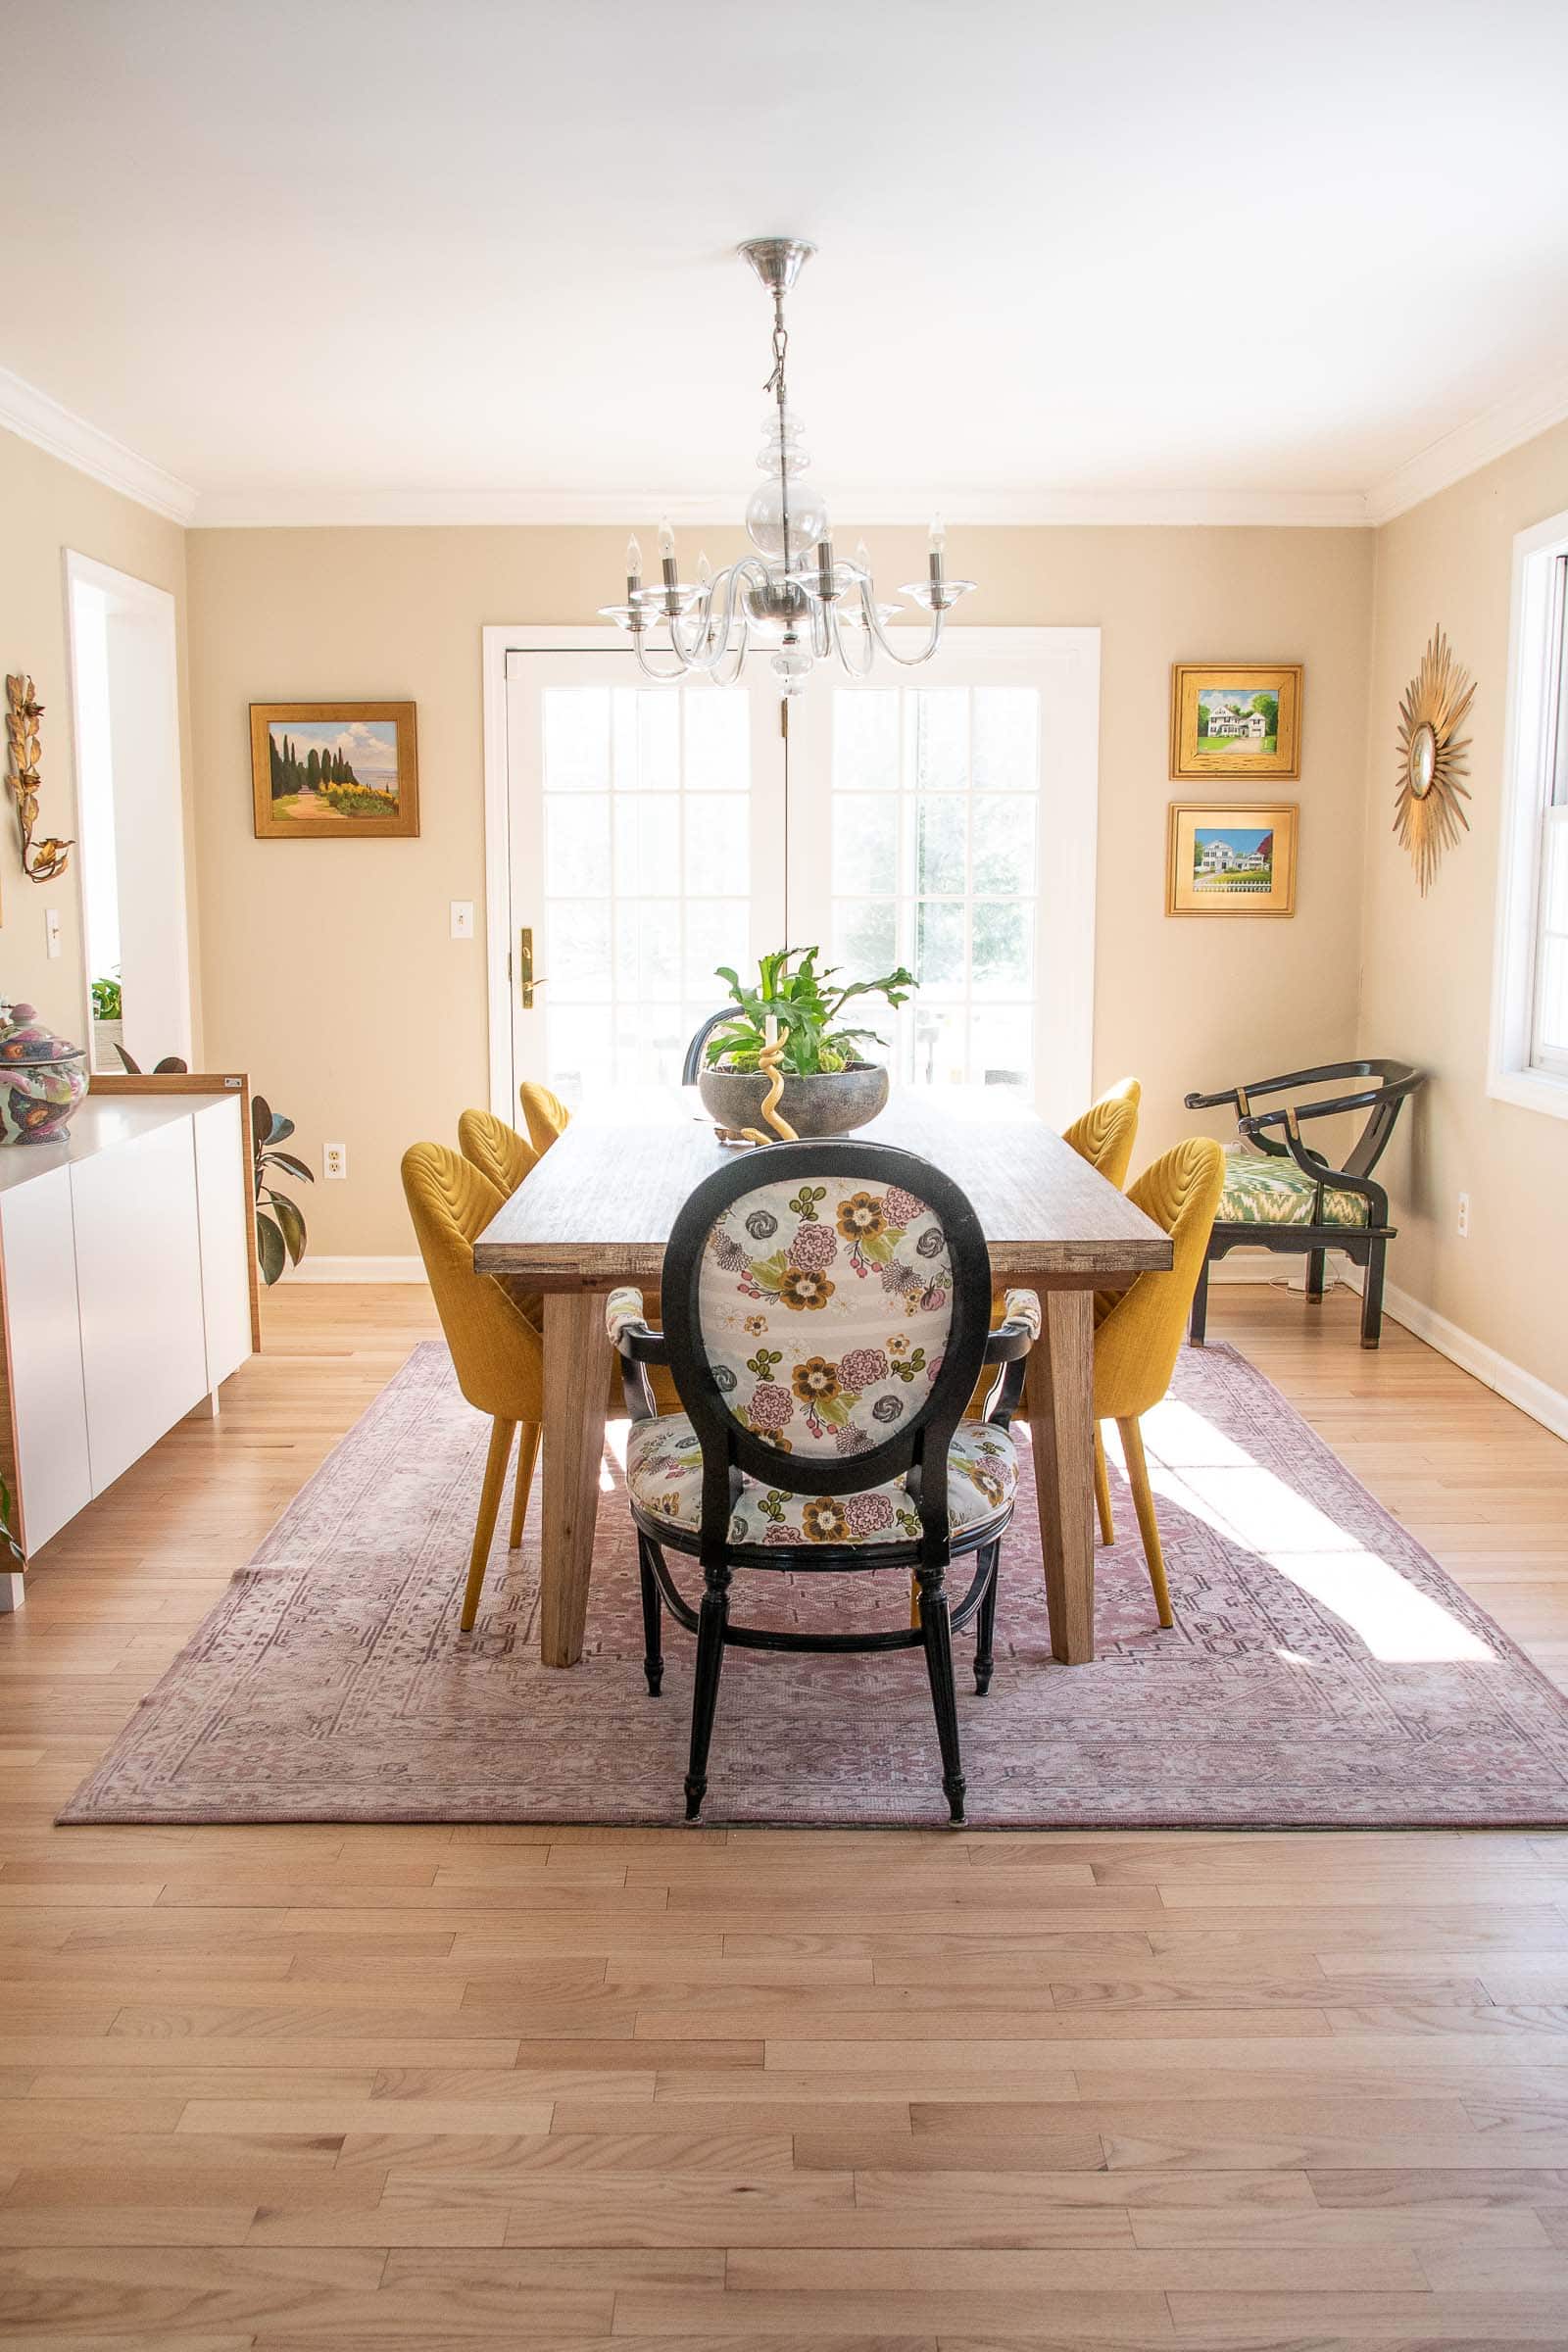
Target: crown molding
x: 1507, y: 425
x: 305, y: 510
x: 27, y: 410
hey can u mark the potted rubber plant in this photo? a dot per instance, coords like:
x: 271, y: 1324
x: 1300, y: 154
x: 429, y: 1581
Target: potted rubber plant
x: 830, y: 1087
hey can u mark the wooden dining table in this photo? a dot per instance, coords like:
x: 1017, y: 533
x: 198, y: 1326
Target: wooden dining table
x: 597, y: 1211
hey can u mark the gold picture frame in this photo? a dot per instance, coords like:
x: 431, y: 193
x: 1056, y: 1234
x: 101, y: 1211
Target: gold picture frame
x: 1235, y: 718
x: 334, y: 772
x: 1228, y: 859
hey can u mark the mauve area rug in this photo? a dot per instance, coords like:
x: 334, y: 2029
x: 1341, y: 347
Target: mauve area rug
x: 1323, y: 1670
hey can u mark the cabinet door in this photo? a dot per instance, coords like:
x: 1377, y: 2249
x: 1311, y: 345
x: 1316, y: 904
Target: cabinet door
x: 139, y: 1281
x: 224, y: 1208
x: 53, y: 1473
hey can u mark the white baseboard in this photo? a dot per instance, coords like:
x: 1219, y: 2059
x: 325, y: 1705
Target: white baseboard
x: 1510, y: 1380
x: 1547, y: 1406
x: 315, y: 1268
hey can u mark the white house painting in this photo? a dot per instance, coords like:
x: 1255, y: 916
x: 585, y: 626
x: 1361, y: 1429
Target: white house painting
x: 1231, y: 716
x: 1233, y: 857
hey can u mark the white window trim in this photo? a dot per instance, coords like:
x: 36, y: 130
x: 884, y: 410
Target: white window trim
x: 1510, y: 1074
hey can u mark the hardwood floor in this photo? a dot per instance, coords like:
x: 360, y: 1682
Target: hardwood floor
x: 336, y: 2087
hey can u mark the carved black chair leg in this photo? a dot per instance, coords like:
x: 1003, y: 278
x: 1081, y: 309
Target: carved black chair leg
x: 1316, y: 1259
x: 1199, y: 1323
x: 653, y: 1634
x: 937, y: 1629
x: 985, y: 1625
x: 711, y: 1619
x: 1372, y: 1297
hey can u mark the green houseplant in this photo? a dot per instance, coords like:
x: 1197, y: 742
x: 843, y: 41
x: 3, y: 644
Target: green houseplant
x: 829, y: 1087
x: 279, y: 1226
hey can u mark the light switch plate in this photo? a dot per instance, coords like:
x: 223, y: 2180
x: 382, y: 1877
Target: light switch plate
x: 51, y: 931
x: 462, y: 919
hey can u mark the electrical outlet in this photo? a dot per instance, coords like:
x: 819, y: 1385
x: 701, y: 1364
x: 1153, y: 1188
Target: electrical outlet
x: 462, y: 919
x: 1465, y: 1217
x: 334, y: 1161
x: 51, y: 931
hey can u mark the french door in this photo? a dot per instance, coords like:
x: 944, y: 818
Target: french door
x: 943, y: 819
x: 647, y: 849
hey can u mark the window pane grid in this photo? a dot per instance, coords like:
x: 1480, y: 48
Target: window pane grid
x: 945, y: 880
x: 644, y: 895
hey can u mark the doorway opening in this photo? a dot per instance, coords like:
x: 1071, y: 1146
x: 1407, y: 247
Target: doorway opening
x: 129, y: 816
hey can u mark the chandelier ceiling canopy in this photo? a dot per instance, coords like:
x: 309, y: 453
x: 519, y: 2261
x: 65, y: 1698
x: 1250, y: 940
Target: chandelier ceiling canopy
x: 793, y: 594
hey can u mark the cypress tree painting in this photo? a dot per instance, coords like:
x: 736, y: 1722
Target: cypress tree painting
x: 334, y: 770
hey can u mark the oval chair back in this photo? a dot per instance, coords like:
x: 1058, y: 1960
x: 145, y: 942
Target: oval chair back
x: 1138, y: 1333
x: 495, y: 1350
x: 831, y: 1298
x: 545, y: 1115
x: 500, y: 1155
x: 1105, y: 1132
x: 691, y: 1068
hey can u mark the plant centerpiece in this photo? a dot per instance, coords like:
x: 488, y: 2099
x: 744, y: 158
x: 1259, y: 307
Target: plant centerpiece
x: 828, y: 1087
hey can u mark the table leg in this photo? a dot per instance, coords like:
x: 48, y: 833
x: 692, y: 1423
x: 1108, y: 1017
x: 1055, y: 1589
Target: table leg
x: 576, y: 1383
x: 1059, y: 1404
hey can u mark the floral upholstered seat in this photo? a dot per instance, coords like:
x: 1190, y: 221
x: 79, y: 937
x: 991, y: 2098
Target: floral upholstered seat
x: 827, y: 1309
x: 1262, y: 1189
x: 665, y: 1475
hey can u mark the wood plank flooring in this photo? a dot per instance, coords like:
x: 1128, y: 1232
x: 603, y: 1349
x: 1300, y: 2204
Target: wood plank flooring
x: 293, y: 2088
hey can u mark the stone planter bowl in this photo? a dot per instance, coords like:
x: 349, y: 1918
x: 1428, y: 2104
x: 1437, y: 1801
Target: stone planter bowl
x: 835, y: 1102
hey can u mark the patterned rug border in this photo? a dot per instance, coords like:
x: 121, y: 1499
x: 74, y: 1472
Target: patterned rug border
x: 87, y: 1808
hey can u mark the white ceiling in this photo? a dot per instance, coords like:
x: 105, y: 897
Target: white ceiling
x: 319, y: 257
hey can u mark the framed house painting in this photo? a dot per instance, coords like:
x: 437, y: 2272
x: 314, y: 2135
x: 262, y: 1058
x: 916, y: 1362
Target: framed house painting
x: 1235, y: 718
x: 1231, y: 860
x: 334, y: 772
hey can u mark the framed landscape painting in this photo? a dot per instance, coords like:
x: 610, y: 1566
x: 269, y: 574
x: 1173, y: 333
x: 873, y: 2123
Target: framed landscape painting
x: 334, y: 772
x: 1231, y: 860
x: 1236, y: 718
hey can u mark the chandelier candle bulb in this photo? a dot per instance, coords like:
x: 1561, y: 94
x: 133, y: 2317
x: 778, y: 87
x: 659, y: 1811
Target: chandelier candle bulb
x: 634, y: 569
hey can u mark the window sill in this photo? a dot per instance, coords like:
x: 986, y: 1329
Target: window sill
x: 1531, y: 1089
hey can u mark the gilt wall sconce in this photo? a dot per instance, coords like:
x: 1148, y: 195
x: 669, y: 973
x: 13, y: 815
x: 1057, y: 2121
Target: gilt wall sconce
x: 42, y: 860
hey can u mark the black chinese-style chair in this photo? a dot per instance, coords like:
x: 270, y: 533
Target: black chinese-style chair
x: 826, y: 1309
x: 1284, y: 1195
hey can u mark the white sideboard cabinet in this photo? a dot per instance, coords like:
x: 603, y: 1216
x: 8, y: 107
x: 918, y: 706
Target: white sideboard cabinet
x: 128, y: 1288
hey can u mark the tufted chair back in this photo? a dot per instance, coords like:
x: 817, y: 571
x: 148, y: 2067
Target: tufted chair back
x: 1103, y: 1134
x: 1139, y: 1331
x: 500, y: 1153
x: 495, y: 1347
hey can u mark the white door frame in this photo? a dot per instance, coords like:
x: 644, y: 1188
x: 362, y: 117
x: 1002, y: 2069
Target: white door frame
x: 157, y: 868
x: 1069, y: 657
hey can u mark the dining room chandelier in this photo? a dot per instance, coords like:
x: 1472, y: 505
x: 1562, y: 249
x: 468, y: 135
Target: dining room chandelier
x: 793, y: 593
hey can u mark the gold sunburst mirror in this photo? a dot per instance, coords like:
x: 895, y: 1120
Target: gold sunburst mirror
x: 1428, y: 799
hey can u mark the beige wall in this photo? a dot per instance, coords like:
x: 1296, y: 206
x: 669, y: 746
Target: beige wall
x: 327, y: 968
x: 1427, y: 964
x: 46, y: 508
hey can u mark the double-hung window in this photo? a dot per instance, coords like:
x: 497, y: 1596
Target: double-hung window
x: 1530, y: 1013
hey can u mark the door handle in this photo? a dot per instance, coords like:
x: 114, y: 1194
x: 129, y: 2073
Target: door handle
x: 527, y: 982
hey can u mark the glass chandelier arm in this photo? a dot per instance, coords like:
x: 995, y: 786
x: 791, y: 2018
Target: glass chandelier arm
x: 660, y: 677
x: 712, y: 637
x: 858, y: 668
x: 874, y: 623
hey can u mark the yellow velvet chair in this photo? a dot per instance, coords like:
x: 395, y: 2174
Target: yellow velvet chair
x: 495, y: 1348
x: 545, y: 1115
x: 1103, y: 1134
x: 497, y: 1150
x: 1138, y: 1332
